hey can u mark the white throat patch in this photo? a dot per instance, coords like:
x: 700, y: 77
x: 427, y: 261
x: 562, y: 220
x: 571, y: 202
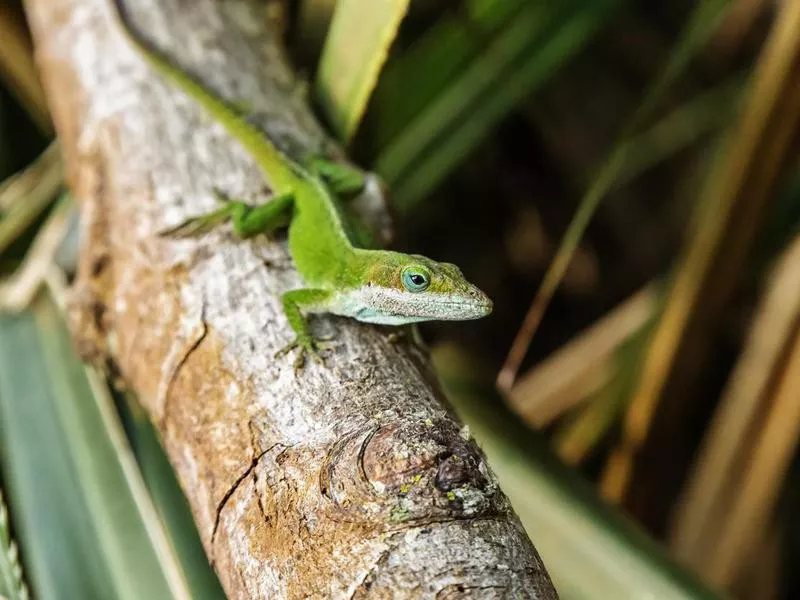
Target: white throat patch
x: 387, y: 306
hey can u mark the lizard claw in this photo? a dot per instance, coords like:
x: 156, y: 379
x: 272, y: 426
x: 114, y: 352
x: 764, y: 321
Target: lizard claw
x: 306, y: 346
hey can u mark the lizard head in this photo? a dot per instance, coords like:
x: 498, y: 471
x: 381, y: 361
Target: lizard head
x: 408, y: 288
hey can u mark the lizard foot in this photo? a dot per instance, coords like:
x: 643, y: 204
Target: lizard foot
x: 397, y: 337
x: 407, y: 334
x: 306, y: 346
x: 198, y: 225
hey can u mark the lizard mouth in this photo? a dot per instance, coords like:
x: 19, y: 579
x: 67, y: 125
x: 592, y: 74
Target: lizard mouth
x: 468, y: 304
x: 467, y: 309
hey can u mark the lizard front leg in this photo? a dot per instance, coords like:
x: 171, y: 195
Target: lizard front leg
x: 295, y: 303
x: 247, y: 220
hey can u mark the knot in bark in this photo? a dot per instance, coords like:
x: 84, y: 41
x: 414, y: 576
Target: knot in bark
x: 416, y: 471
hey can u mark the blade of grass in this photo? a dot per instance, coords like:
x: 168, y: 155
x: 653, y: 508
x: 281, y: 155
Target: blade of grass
x: 537, y: 41
x: 27, y: 194
x: 700, y: 26
x: 171, y: 504
x: 773, y: 451
x: 48, y: 508
x: 682, y: 127
x: 738, y: 24
x: 18, y: 69
x: 129, y: 533
x: 18, y: 290
x: 432, y: 62
x: 355, y: 50
x: 705, y: 504
x: 113, y: 545
x: 582, y: 430
x: 584, y: 365
x: 739, y: 186
x: 576, y: 439
x: 18, y: 187
x: 12, y: 583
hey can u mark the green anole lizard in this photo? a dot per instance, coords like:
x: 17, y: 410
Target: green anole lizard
x: 369, y: 285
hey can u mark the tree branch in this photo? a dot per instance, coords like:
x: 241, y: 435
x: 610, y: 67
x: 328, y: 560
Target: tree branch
x: 346, y: 482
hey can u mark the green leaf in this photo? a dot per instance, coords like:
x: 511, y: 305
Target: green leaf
x: 128, y: 532
x: 413, y: 79
x: 533, y: 43
x: 48, y: 509
x: 87, y: 527
x: 358, y: 42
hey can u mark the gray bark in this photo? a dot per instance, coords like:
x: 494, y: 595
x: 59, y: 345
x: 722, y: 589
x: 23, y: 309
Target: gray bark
x: 348, y: 482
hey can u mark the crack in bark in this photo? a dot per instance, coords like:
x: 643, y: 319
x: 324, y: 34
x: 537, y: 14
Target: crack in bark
x: 462, y: 590
x: 227, y: 496
x: 173, y: 375
x: 259, y: 499
x: 369, y: 578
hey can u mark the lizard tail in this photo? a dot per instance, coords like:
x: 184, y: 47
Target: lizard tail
x: 270, y: 158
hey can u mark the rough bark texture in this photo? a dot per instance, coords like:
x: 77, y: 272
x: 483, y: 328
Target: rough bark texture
x: 348, y: 482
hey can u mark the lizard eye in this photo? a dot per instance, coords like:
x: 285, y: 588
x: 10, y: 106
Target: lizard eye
x: 415, y: 280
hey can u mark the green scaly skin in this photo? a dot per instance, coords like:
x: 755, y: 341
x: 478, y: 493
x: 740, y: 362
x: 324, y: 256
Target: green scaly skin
x: 372, y: 286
